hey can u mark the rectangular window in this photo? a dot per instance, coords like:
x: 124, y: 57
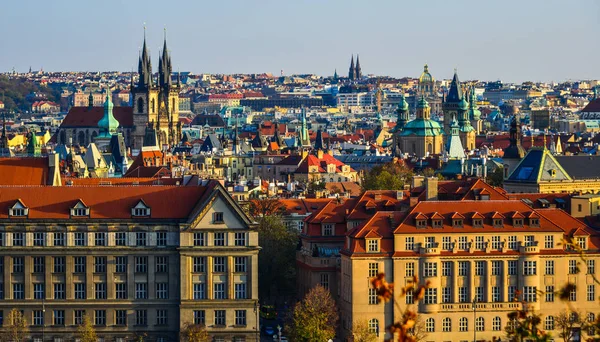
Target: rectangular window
x: 219, y: 264
x: 512, y: 242
x: 38, y: 264
x: 100, y: 317
x: 550, y: 293
x: 78, y: 317
x: 463, y: 242
x: 446, y: 268
x: 18, y: 291
x: 463, y: 294
x: 121, y: 238
x: 495, y: 294
x: 121, y: 290
x: 240, y: 317
x: 161, y: 239
x: 59, y: 291
x: 529, y: 293
x: 79, y: 262
x: 429, y: 242
x: 100, y: 290
x: 431, y: 296
x: 141, y: 264
x: 463, y: 268
x: 549, y: 267
x: 220, y: 317
x: 141, y: 290
x: 219, y: 291
x: 220, y: 239
x: 479, y: 242
x: 217, y: 217
x: 141, y: 238
x: 529, y: 240
x: 328, y: 229
x: 100, y: 239
x: 199, y: 264
x: 409, y: 243
x: 480, y: 268
x: 38, y: 291
x: 80, y: 239
x: 529, y: 267
x: 496, y: 267
x: 549, y: 241
x: 141, y: 317
x: 582, y: 242
x: 199, y: 317
x: 59, y: 317
x: 161, y: 317
x: 479, y: 294
x: 446, y: 243
x: 120, y: 317
x: 199, y: 239
x: 59, y: 264
x: 430, y: 269
x: 573, y: 268
x: 18, y: 264
x: 240, y: 239
x: 373, y: 245
x: 18, y: 239
x: 496, y: 242
x: 79, y: 289
x: 162, y: 290
x: 1, y: 239
x: 573, y: 295
x: 199, y: 291
x: 240, y: 291
x: 120, y: 264
x: 512, y: 267
x: 39, y: 239
x: 161, y: 263
x: 373, y: 269
x: 372, y: 296
x: 410, y: 269
x: 410, y: 299
x: 325, y: 280
x: 591, y: 292
x: 591, y: 266
x: 446, y: 295
x: 100, y: 264
x: 240, y: 264
x: 512, y: 293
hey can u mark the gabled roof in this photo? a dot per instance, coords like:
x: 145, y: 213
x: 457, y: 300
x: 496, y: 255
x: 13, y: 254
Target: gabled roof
x: 80, y: 117
x: 24, y: 171
x: 538, y: 165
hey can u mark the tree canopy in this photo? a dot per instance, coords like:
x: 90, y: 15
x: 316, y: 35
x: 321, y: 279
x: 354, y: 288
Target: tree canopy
x: 314, y: 318
x: 14, y: 91
x: 86, y: 331
x: 391, y: 176
x: 193, y: 333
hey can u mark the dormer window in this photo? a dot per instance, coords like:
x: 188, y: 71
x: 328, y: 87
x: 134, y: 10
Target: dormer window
x: 218, y: 217
x: 582, y: 242
x: 327, y: 229
x: 437, y: 223
x: 421, y: 223
x: 373, y: 245
x: 140, y: 210
x: 457, y: 223
x: 18, y: 210
x: 518, y: 222
x: 534, y: 222
x: 80, y: 210
x: 498, y: 223
x: 477, y: 223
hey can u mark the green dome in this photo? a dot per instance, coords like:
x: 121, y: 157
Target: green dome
x: 422, y: 127
x: 422, y: 103
x: 463, y: 104
x: 403, y: 105
x: 108, y: 124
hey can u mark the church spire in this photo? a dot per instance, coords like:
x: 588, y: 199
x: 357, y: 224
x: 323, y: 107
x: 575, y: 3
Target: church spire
x: 358, y: 71
x: 145, y: 66
x: 351, y: 70
x: 455, y: 93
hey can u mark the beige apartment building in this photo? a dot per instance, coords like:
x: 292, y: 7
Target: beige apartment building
x: 138, y: 260
x: 487, y: 252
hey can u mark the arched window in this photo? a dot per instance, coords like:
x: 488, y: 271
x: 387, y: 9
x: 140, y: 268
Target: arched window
x: 430, y: 325
x: 479, y: 324
x: 374, y: 326
x: 463, y: 324
x: 497, y: 324
x: 140, y: 105
x: 447, y: 325
x: 549, y: 323
x: 94, y: 135
x: 430, y: 148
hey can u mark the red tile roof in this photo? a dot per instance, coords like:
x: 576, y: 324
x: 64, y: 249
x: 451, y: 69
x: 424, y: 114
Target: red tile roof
x: 89, y: 117
x: 24, y: 171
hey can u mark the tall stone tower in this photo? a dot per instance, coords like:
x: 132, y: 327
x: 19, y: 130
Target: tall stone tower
x: 155, y: 102
x: 351, y: 70
x: 450, y: 105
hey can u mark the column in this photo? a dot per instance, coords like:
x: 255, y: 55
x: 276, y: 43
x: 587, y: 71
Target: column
x: 110, y: 278
x: 28, y: 288
x: 8, y: 265
x: 488, y: 279
x: 209, y: 277
x: 131, y: 277
x: 69, y: 269
x: 151, y: 276
x: 230, y: 279
x: 184, y: 273
x: 455, y: 281
x: 48, y: 265
x: 472, y: 280
x: 505, y: 281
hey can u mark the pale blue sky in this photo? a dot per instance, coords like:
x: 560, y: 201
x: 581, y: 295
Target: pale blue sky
x: 512, y: 40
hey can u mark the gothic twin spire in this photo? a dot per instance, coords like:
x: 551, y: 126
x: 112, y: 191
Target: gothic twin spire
x: 354, y: 73
x: 145, y: 67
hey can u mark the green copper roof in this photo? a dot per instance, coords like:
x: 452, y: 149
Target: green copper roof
x: 108, y: 124
x: 463, y: 104
x: 422, y: 127
x: 403, y: 105
x: 422, y: 103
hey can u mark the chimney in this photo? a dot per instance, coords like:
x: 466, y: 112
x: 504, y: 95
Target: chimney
x: 54, y: 170
x: 417, y: 181
x: 431, y: 189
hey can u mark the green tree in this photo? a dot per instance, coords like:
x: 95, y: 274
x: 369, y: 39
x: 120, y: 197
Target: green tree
x: 391, y: 176
x: 277, y: 259
x: 16, y: 330
x: 362, y: 333
x: 193, y: 333
x: 495, y: 178
x: 315, y: 318
x: 86, y: 331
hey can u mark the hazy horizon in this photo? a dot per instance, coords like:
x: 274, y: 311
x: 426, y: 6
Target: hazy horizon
x: 513, y: 41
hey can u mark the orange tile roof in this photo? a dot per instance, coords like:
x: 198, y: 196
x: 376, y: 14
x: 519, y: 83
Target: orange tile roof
x: 24, y: 171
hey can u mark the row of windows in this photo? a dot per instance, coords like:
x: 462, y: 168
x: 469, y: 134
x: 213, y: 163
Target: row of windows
x: 161, y: 264
x: 121, y: 239
x: 219, y: 264
x: 19, y: 210
x: 480, y: 268
x: 476, y: 222
x: 80, y: 290
x: 219, y: 291
x: 496, y: 242
x: 220, y: 318
x: 528, y: 294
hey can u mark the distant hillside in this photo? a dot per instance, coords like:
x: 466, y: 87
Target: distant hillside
x: 13, y: 92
